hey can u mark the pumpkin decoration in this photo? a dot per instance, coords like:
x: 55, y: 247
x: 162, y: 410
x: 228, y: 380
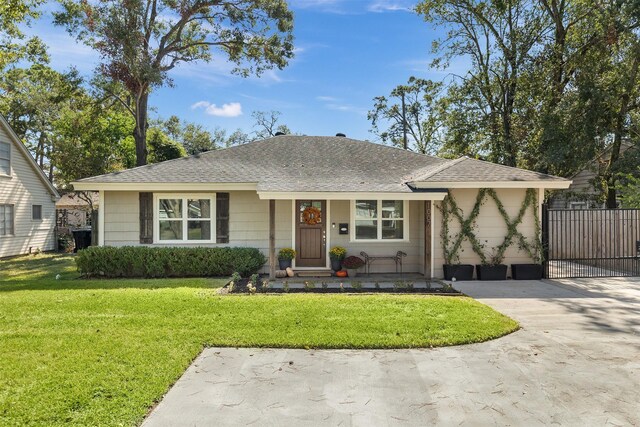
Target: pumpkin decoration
x: 311, y: 215
x: 341, y: 273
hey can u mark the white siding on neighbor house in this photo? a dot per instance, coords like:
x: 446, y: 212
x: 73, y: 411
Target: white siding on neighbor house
x: 490, y: 227
x: 23, y: 189
x: 414, y: 248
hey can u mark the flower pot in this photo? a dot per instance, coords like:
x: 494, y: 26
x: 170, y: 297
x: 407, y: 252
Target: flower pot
x: 336, y: 264
x: 526, y: 271
x: 491, y: 272
x: 284, y: 263
x: 352, y: 272
x: 459, y: 271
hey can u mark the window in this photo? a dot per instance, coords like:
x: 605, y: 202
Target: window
x: 379, y: 220
x: 36, y: 212
x: 6, y: 220
x: 5, y: 158
x: 186, y: 218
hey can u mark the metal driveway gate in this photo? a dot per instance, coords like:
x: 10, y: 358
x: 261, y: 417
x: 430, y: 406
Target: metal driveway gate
x: 591, y: 242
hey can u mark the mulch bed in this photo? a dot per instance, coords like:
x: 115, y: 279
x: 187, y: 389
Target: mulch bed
x: 438, y: 289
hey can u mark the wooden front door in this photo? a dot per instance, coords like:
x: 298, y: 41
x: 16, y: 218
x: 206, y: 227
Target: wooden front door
x: 311, y: 233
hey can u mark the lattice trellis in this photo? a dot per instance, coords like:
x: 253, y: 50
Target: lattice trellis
x: 451, y: 244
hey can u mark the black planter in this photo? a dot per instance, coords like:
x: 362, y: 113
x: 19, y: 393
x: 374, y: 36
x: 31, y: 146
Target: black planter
x: 336, y: 264
x: 284, y: 263
x: 526, y: 271
x: 491, y: 272
x: 459, y: 271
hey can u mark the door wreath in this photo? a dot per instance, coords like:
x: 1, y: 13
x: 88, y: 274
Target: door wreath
x: 311, y: 215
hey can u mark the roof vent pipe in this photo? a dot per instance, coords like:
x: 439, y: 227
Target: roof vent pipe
x: 342, y: 135
x: 280, y: 133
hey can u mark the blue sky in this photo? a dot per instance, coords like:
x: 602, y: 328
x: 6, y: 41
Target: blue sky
x: 347, y: 52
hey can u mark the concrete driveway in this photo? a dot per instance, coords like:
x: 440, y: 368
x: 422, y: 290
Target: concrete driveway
x: 576, y: 361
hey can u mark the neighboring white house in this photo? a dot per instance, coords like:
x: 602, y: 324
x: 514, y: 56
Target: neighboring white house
x: 27, y: 199
x: 312, y: 193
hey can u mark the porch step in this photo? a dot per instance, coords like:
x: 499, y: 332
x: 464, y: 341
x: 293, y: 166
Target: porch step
x: 313, y: 273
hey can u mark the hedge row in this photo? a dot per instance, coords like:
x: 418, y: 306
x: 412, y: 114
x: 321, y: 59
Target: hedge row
x: 144, y: 261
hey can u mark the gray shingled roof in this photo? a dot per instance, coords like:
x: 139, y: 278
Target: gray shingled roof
x: 312, y: 163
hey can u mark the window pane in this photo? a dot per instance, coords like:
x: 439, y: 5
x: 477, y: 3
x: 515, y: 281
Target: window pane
x: 36, y: 212
x: 199, y: 208
x: 4, y: 167
x: 392, y: 229
x: 4, y: 150
x: 307, y: 204
x: 199, y: 230
x: 367, y: 209
x: 366, y: 229
x: 3, y: 223
x: 392, y: 209
x: 170, y: 230
x: 170, y: 208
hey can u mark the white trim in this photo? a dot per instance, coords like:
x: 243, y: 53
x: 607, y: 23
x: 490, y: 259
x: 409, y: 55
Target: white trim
x: 162, y: 186
x: 22, y: 148
x: 433, y: 240
x: 405, y: 224
x: 101, y: 209
x: 327, y: 195
x: 185, y: 218
x: 555, y: 184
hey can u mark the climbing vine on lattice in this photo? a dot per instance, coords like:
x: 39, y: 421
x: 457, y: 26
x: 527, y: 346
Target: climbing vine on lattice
x: 451, y: 245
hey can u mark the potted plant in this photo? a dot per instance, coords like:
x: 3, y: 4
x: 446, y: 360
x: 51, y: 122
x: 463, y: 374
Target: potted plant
x: 492, y: 267
x: 285, y: 255
x: 453, y: 270
x: 529, y: 271
x: 352, y: 264
x: 337, y: 254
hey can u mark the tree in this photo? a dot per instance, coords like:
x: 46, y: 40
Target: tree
x: 162, y: 147
x: 140, y: 41
x: 498, y: 37
x: 266, y: 124
x: 193, y: 137
x: 14, y: 45
x: 32, y: 101
x: 416, y: 117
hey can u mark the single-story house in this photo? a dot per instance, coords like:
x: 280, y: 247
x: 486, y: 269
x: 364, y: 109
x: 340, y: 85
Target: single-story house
x: 27, y: 199
x: 312, y: 193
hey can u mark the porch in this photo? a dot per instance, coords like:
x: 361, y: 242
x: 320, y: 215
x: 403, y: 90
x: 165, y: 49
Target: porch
x: 380, y: 225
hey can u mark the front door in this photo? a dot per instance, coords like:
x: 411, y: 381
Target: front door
x: 311, y: 233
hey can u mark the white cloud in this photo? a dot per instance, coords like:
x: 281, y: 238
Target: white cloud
x: 380, y: 6
x: 326, y: 98
x: 232, y: 109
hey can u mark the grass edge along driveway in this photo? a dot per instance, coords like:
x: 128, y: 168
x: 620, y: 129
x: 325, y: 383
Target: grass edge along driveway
x: 102, y: 352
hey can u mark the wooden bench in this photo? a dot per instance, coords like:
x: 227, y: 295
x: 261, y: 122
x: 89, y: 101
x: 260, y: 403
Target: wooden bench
x: 397, y: 258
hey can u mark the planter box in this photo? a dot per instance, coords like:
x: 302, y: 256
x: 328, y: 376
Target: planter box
x: 526, y: 271
x: 336, y: 264
x: 459, y: 271
x: 491, y: 272
x: 352, y: 272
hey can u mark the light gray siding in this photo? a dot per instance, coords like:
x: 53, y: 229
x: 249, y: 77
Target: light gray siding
x: 22, y: 189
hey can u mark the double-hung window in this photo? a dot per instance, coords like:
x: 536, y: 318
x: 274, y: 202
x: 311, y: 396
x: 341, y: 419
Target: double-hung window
x: 185, y: 218
x: 379, y: 220
x: 6, y: 220
x: 5, y: 158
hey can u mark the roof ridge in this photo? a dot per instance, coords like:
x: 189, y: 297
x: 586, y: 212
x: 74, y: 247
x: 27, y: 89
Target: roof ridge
x: 440, y: 168
x: 515, y: 167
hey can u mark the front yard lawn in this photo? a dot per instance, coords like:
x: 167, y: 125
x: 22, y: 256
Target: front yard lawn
x: 102, y: 352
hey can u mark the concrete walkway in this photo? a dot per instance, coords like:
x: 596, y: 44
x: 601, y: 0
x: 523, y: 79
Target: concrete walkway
x: 574, y: 363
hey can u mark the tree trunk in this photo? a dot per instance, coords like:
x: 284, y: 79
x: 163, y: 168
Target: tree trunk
x: 140, y: 131
x: 619, y: 130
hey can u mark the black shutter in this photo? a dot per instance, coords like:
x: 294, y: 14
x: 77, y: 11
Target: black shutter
x: 222, y: 217
x: 146, y: 217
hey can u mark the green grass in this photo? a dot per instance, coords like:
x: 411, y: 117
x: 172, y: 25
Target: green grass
x: 102, y: 352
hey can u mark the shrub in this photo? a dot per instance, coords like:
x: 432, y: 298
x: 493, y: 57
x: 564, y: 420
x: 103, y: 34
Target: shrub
x: 145, y: 261
x: 352, y: 262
